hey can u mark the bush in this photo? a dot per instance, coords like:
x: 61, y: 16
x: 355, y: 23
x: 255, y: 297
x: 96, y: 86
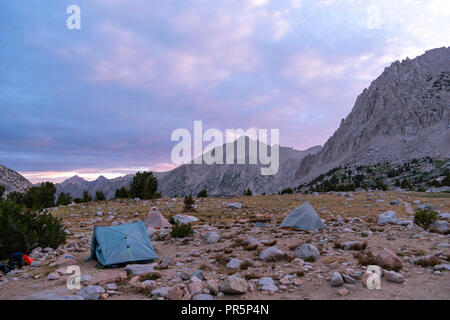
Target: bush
x: 202, y: 194
x: 122, y: 193
x: 287, y: 191
x: 86, y: 196
x: 15, y: 197
x: 188, y: 203
x: 64, y: 199
x: 41, y: 197
x: 99, y: 196
x: 181, y: 230
x: 22, y: 231
x: 143, y: 186
x: 2, y: 191
x: 248, y: 192
x: 424, y: 218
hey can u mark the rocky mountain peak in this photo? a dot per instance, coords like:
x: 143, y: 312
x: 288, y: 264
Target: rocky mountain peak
x: 404, y: 114
x: 13, y: 181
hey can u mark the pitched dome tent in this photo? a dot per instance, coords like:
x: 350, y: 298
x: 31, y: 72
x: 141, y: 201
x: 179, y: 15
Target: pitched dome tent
x: 303, y: 218
x: 156, y: 220
x: 115, y: 245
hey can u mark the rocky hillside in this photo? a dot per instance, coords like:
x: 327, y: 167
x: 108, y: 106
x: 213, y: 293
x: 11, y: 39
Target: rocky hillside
x: 232, y: 179
x: 13, y: 181
x: 403, y: 115
x: 427, y: 174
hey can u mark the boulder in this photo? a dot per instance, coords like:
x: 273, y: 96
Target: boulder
x: 234, y: 285
x: 138, y: 269
x: 234, y: 263
x: 336, y: 280
x: 161, y: 292
x: 393, y: 276
x: 307, y: 251
x: 91, y: 292
x: 53, y: 276
x: 211, y: 237
x: 176, y: 293
x: 387, y: 217
x: 212, y: 286
x: 271, y: 254
x: 184, y: 219
x: 439, y: 226
x: 388, y: 260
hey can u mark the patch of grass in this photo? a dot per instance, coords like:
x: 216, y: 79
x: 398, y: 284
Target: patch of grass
x: 430, y: 261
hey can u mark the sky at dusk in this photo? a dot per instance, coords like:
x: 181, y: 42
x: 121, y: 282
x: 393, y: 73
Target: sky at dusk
x: 105, y: 99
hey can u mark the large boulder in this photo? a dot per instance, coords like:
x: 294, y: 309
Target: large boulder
x: 234, y: 263
x: 211, y: 237
x: 439, y: 226
x: 307, y: 251
x: 184, y: 219
x: 387, y: 217
x: 234, y: 285
x: 271, y: 254
x: 388, y: 260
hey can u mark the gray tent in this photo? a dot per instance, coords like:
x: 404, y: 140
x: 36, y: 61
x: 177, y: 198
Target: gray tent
x: 303, y: 218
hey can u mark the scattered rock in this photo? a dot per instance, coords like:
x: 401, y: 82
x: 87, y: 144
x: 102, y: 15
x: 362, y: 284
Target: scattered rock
x: 307, y: 251
x: 388, y: 260
x: 234, y: 285
x: 161, y: 292
x: 175, y: 293
x: 91, y: 292
x: 202, y: 296
x: 393, y: 276
x: 53, y: 276
x: 184, y: 219
x: 234, y: 263
x: 336, y: 280
x: 138, y: 269
x: 439, y: 226
x: 271, y: 254
x: 387, y: 217
x: 211, y: 237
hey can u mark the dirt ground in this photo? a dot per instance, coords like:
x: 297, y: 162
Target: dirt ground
x: 346, y: 216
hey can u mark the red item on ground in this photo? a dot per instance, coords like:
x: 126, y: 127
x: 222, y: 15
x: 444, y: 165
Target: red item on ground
x: 27, y: 259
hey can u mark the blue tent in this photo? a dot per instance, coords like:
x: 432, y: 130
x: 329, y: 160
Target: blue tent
x: 127, y: 243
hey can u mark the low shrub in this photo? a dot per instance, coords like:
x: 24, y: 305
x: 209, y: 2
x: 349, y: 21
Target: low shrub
x: 202, y: 194
x: 181, y: 230
x: 424, y: 218
x: 188, y: 203
x: 23, y: 230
